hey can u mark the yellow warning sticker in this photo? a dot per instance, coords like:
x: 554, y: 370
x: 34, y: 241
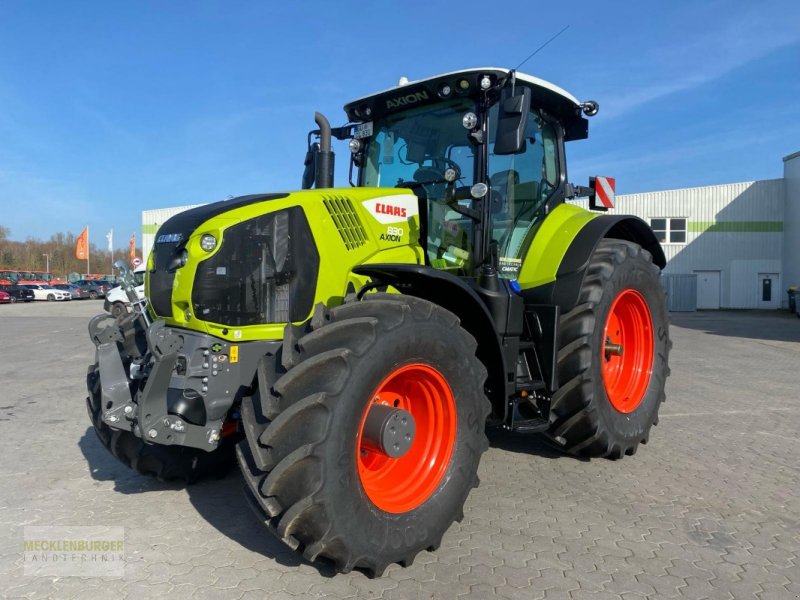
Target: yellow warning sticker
x: 234, y: 354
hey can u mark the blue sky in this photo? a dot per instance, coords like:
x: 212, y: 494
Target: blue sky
x: 109, y: 108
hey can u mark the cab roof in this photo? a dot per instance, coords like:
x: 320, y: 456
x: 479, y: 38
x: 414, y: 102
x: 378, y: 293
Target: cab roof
x: 545, y: 95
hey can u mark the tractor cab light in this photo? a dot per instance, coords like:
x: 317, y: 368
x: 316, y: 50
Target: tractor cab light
x: 486, y: 83
x: 469, y: 120
x: 355, y: 146
x: 479, y: 190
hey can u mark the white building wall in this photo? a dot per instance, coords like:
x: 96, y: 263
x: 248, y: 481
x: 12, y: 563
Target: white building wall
x: 791, y: 234
x: 152, y: 220
x: 736, y: 229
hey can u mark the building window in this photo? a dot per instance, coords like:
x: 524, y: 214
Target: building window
x: 669, y: 231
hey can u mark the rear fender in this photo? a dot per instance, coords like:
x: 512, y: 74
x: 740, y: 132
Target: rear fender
x: 565, y: 288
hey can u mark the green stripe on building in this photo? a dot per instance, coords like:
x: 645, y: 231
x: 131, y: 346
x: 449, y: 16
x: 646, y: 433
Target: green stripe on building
x: 736, y: 226
x: 149, y: 228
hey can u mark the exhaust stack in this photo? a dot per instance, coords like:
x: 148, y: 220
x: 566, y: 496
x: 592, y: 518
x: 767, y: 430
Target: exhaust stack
x: 325, y: 159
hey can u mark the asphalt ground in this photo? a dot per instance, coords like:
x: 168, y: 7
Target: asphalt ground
x: 710, y: 508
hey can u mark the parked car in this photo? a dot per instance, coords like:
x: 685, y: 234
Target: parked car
x: 79, y: 292
x: 18, y: 293
x: 47, y: 292
x: 117, y: 302
x: 96, y: 289
x: 5, y: 298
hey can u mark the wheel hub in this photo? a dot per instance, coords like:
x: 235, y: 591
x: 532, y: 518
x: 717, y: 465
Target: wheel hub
x: 388, y: 430
x: 406, y: 438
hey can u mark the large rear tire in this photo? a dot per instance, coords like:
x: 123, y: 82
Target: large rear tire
x: 166, y: 463
x: 613, y: 355
x: 309, y: 473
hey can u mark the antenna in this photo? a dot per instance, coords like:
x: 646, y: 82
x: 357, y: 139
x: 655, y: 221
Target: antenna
x: 535, y: 52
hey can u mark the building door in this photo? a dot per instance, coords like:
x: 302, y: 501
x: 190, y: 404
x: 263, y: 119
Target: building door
x: 769, y: 296
x: 708, y: 289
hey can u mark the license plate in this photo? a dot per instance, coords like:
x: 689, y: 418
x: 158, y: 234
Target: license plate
x: 363, y: 130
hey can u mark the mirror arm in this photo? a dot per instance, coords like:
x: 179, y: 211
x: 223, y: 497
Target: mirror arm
x: 453, y: 195
x: 578, y: 191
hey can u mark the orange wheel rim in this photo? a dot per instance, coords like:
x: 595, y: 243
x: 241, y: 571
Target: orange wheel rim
x: 398, y: 485
x: 627, y: 351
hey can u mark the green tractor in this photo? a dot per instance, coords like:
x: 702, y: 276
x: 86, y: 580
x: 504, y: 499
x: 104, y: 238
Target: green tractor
x: 351, y: 345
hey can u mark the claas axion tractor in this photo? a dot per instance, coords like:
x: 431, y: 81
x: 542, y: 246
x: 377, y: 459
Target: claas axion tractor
x: 351, y: 345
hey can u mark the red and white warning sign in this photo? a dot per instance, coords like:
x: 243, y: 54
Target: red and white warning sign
x: 604, y: 189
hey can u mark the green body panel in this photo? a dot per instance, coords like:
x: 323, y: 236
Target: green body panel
x: 382, y: 227
x: 550, y: 243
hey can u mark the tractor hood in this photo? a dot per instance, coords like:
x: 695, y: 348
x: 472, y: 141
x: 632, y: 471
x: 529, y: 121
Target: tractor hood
x: 242, y: 268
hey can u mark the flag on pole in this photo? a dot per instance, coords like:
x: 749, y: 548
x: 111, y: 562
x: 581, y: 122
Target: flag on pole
x: 110, y: 238
x: 82, y: 245
x: 132, y: 247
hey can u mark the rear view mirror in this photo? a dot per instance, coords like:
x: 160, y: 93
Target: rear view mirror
x: 512, y: 120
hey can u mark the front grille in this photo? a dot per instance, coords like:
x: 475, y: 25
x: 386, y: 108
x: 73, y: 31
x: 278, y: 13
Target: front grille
x: 346, y: 220
x: 265, y: 271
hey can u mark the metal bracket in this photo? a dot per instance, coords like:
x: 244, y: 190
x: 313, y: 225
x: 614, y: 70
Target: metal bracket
x: 115, y: 392
x: 163, y: 343
x: 103, y: 329
x: 156, y: 426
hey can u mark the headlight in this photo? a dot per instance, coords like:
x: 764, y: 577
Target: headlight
x: 469, y: 120
x: 208, y: 242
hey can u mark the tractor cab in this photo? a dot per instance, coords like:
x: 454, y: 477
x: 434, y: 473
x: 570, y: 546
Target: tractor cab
x: 481, y: 148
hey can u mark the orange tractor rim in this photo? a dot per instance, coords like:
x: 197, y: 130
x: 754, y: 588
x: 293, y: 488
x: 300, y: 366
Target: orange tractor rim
x: 628, y: 351
x: 398, y: 485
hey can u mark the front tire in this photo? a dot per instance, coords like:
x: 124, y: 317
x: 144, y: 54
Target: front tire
x: 613, y: 355
x: 310, y: 474
x: 50, y: 297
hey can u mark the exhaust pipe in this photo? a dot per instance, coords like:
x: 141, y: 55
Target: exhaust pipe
x: 325, y: 159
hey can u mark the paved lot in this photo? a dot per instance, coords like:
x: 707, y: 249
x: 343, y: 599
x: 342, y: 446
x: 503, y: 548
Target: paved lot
x: 710, y: 508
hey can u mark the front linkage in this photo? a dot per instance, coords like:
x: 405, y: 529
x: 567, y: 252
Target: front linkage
x: 166, y: 386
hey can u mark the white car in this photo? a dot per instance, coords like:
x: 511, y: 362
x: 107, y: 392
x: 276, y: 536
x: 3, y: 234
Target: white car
x: 47, y: 292
x: 117, y: 302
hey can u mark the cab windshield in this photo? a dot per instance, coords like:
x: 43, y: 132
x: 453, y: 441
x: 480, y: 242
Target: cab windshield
x: 413, y: 149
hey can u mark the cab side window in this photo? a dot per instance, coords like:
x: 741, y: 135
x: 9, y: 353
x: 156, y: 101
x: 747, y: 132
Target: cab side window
x: 521, y: 184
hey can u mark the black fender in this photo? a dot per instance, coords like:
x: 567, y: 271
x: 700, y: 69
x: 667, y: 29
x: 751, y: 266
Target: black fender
x: 454, y: 294
x: 565, y: 289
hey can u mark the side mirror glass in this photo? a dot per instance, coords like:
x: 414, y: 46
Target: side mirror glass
x: 512, y: 120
